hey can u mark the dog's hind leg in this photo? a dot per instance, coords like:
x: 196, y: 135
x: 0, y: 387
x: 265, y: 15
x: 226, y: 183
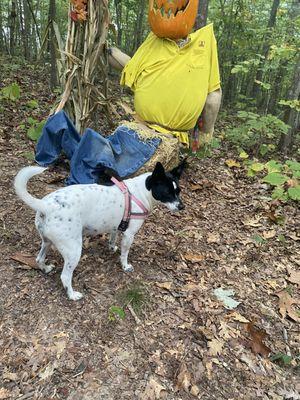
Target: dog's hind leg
x: 112, y: 241
x: 40, y: 260
x: 71, y: 255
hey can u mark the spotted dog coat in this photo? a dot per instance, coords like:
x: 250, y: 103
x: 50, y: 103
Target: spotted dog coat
x: 64, y: 216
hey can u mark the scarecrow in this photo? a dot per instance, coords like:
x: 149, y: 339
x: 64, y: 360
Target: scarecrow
x: 175, y: 79
x: 174, y: 74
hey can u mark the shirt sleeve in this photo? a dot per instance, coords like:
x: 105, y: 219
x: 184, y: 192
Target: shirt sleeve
x: 214, y: 79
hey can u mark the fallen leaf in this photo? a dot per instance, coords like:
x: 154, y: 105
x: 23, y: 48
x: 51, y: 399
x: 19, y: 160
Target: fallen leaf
x: 27, y: 259
x: 256, y: 342
x: 195, y: 390
x: 4, y: 393
x: 164, y: 285
x: 225, y: 296
x: 213, y: 238
x: 254, y: 222
x: 48, y: 371
x: 285, y: 305
x: 10, y: 376
x: 232, y: 163
x: 294, y: 276
x: 215, y: 347
x: 209, y: 368
x: 289, y: 394
x: 269, y: 234
x: 183, y: 379
x: 196, y: 186
x: 193, y: 257
x: 238, y: 317
x: 152, y: 390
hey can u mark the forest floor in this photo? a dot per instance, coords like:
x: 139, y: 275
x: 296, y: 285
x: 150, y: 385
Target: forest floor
x: 176, y: 340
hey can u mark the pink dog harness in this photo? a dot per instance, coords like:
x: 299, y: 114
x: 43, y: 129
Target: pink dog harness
x: 127, y: 212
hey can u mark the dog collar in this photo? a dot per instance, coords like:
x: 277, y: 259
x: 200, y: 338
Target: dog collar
x: 129, y: 197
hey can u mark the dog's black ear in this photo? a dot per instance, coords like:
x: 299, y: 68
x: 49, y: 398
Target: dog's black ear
x: 157, y: 174
x: 177, y: 171
x: 159, y: 171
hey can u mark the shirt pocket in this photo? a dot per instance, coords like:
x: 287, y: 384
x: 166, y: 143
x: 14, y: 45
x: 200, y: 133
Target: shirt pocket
x: 198, y: 58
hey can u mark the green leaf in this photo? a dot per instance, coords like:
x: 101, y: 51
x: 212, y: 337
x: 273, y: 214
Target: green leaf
x: 32, y: 104
x: 293, y: 165
x: 31, y: 120
x: 275, y: 179
x: 116, y: 311
x: 257, y: 167
x: 273, y: 166
x: 258, y: 239
x: 281, y: 357
x: 35, y: 131
x: 243, y: 155
x: 263, y: 149
x: 11, y: 92
x: 294, y: 193
x: 279, y: 193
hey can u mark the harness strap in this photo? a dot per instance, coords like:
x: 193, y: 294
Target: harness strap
x: 127, y: 212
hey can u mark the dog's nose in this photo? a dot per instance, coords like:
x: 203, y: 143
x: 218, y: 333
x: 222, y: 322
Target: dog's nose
x: 181, y: 206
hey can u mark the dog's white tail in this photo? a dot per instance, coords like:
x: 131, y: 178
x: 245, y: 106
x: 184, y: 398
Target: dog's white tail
x: 20, y: 183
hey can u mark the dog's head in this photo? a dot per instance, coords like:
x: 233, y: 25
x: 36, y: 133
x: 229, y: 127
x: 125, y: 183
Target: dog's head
x: 164, y: 186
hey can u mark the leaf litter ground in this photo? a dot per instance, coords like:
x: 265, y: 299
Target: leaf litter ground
x: 177, y: 340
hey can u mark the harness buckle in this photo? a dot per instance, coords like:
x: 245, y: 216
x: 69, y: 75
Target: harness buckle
x: 123, y: 225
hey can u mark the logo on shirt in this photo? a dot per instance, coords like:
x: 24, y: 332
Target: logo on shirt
x: 201, y: 43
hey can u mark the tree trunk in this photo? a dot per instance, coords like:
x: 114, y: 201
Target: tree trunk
x: 2, y: 39
x: 52, y: 47
x: 139, y: 25
x: 12, y: 27
x: 202, y: 14
x: 291, y: 115
x: 118, y: 7
x: 265, y: 49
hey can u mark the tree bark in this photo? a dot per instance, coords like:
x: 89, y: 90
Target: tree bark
x: 291, y: 115
x: 118, y: 7
x: 202, y: 14
x: 52, y: 47
x: 139, y: 25
x: 12, y: 27
x: 265, y: 49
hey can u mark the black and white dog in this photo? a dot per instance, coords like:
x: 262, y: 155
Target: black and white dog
x: 65, y: 215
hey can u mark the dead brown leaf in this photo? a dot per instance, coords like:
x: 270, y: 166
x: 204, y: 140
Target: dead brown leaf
x: 237, y: 317
x: 4, y: 393
x: 286, y: 303
x: 215, y: 347
x: 256, y: 342
x: 152, y: 391
x: 164, y: 285
x: 294, y: 276
x: 213, y: 238
x: 193, y: 257
x: 254, y: 222
x: 26, y: 259
x: 269, y: 234
x: 183, y: 379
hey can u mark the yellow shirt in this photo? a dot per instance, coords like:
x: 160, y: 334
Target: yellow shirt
x: 170, y: 83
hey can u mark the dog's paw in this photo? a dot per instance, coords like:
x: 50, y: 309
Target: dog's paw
x: 75, y: 296
x: 128, y: 268
x: 47, y: 268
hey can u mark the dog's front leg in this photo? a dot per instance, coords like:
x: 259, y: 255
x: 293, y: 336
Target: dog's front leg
x: 125, y: 246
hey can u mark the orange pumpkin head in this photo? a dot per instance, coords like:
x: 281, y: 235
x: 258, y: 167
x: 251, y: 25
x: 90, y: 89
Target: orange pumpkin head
x: 173, y: 19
